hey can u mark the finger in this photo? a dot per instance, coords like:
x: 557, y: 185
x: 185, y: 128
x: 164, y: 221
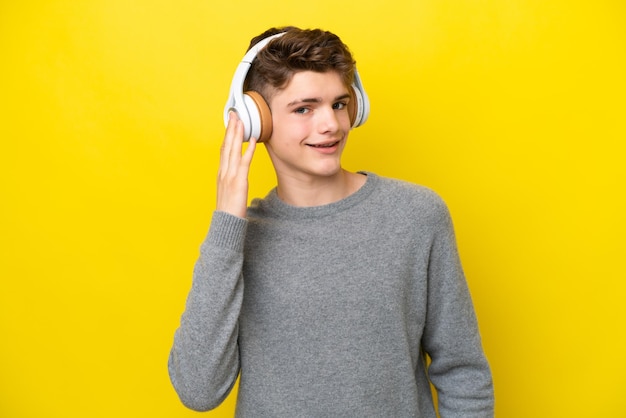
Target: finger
x: 226, y: 143
x: 236, y: 142
x: 231, y: 146
x: 249, y: 153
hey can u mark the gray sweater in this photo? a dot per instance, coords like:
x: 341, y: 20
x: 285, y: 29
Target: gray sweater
x: 332, y: 311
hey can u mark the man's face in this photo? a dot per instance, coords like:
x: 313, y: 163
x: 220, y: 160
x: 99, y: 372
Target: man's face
x: 310, y: 125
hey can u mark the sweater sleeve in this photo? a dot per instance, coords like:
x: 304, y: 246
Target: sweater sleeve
x: 204, y: 360
x: 458, y: 370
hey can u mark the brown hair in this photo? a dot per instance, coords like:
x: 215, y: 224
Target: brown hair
x: 297, y: 50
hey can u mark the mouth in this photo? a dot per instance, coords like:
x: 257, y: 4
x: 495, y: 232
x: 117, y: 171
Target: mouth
x: 326, y: 145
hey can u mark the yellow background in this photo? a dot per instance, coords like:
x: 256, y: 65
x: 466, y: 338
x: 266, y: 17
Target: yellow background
x: 110, y: 125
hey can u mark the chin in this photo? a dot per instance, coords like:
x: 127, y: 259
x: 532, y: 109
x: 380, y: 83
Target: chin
x: 328, y: 171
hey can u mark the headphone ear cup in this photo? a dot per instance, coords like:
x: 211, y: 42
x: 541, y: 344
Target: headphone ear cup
x: 358, y: 107
x: 353, y: 106
x: 260, y: 116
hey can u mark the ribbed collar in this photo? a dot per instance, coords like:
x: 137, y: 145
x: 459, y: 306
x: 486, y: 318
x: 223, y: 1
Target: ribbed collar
x: 273, y: 206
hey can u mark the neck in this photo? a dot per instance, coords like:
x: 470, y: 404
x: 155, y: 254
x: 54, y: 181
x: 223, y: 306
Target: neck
x: 307, y: 192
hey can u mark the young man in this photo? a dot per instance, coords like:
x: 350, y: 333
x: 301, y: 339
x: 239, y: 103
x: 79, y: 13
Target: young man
x: 326, y: 296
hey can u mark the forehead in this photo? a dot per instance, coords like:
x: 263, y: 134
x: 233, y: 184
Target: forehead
x: 311, y: 84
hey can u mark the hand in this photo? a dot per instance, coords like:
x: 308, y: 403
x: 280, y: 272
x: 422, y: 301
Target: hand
x: 232, y: 176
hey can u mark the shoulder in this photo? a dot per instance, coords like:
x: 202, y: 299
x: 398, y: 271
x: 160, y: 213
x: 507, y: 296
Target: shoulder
x: 412, y: 197
x: 406, y: 206
x: 260, y: 208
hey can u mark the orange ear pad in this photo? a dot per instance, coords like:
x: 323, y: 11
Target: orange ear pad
x: 352, y: 104
x: 265, y: 113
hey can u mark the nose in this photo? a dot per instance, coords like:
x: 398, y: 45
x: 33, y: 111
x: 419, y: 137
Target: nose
x: 327, y: 120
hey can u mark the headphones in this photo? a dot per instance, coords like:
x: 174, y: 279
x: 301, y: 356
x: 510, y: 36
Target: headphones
x: 255, y: 113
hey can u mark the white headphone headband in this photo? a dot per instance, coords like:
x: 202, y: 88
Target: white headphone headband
x: 235, y: 96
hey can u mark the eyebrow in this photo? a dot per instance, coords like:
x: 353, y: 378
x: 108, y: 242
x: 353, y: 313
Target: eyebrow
x: 316, y: 100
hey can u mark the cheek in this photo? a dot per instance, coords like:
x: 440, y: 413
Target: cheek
x: 345, y: 121
x: 286, y: 130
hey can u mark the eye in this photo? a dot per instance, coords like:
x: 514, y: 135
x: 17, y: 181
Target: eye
x: 302, y: 110
x: 339, y: 105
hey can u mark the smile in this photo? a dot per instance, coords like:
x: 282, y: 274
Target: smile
x: 329, y: 145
